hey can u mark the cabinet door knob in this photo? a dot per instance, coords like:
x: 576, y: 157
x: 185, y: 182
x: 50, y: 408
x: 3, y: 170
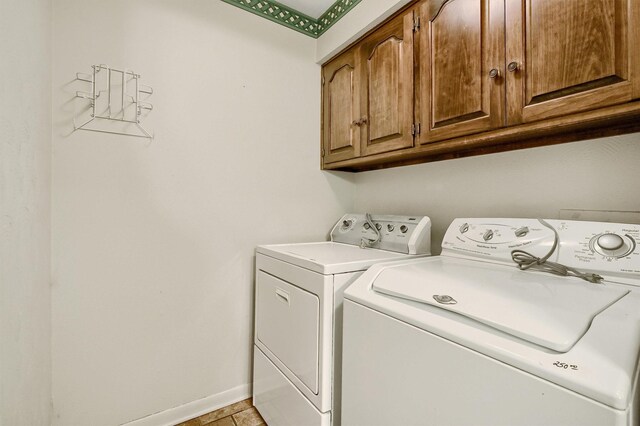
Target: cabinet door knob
x: 494, y: 73
x: 512, y: 67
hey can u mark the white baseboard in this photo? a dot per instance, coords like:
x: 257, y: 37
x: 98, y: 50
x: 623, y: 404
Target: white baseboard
x: 193, y: 409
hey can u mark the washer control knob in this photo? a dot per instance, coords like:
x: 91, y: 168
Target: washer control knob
x: 610, y: 241
x: 521, y: 232
x: 464, y: 228
x: 487, y: 235
x: 366, y: 226
x: 378, y: 226
x: 445, y: 299
x: 390, y: 227
x: 404, y: 229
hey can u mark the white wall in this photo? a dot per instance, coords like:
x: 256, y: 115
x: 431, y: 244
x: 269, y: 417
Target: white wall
x: 600, y: 174
x: 25, y: 207
x: 153, y: 242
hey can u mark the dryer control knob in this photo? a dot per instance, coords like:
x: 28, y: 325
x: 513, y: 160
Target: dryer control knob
x: 610, y: 241
x: 488, y: 235
x: 464, y: 228
x: 390, y: 227
x: 366, y: 226
x: 404, y: 229
x: 378, y: 226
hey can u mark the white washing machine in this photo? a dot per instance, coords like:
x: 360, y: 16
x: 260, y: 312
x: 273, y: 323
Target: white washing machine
x: 468, y: 338
x: 298, y: 312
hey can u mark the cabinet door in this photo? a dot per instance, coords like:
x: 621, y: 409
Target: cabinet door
x: 462, y: 88
x: 387, y: 87
x: 569, y: 56
x: 340, y: 108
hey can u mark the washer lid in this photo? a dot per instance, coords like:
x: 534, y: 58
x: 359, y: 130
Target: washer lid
x: 553, y: 312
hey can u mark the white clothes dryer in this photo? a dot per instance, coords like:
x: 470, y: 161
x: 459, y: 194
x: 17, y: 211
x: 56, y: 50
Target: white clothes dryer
x: 468, y: 338
x: 298, y: 312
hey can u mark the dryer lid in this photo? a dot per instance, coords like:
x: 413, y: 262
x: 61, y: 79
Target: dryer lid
x: 328, y: 257
x: 553, y: 312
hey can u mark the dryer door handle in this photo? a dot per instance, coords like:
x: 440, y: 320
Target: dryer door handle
x: 282, y: 295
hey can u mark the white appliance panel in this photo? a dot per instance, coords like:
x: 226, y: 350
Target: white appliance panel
x: 520, y: 320
x: 402, y: 234
x: 328, y: 257
x: 278, y: 400
x: 602, y: 365
x: 288, y: 323
x: 320, y: 286
x: 341, y: 282
x: 298, y: 322
x: 546, y: 310
x: 612, y: 249
x: 397, y: 374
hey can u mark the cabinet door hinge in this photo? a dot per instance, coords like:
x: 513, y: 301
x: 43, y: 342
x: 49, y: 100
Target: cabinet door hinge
x: 416, y: 24
x: 323, y: 80
x: 415, y: 129
x: 321, y: 152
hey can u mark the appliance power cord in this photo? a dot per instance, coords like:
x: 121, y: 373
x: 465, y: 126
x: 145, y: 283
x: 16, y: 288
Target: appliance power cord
x: 368, y: 242
x: 526, y: 260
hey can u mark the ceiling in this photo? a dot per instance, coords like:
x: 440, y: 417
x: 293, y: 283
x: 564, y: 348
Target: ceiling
x: 312, y: 8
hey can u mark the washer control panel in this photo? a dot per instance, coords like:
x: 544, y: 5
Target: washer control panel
x: 403, y: 234
x: 613, y: 245
x: 606, y: 248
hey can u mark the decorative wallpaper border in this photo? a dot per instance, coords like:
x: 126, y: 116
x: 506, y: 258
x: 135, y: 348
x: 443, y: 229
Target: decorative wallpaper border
x: 293, y: 19
x: 334, y: 14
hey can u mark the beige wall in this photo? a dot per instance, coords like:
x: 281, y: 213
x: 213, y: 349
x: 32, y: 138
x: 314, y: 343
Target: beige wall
x: 25, y: 191
x: 600, y: 174
x: 153, y: 242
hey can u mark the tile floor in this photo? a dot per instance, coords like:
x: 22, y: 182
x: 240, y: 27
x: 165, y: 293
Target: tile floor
x: 239, y: 414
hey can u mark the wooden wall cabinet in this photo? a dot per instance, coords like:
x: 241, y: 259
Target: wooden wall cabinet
x: 386, y: 94
x: 569, y: 56
x: 477, y: 76
x: 368, y: 94
x: 461, y: 51
x: 340, y: 108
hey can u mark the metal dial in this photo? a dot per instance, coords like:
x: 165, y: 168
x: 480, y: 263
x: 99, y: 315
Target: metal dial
x: 610, y: 241
x: 521, y: 232
x: 612, y: 245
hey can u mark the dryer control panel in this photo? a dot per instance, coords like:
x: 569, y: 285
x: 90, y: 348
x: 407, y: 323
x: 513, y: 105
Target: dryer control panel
x: 600, y: 247
x: 402, y: 234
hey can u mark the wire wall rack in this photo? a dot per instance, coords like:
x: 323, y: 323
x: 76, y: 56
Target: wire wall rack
x: 117, y: 102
